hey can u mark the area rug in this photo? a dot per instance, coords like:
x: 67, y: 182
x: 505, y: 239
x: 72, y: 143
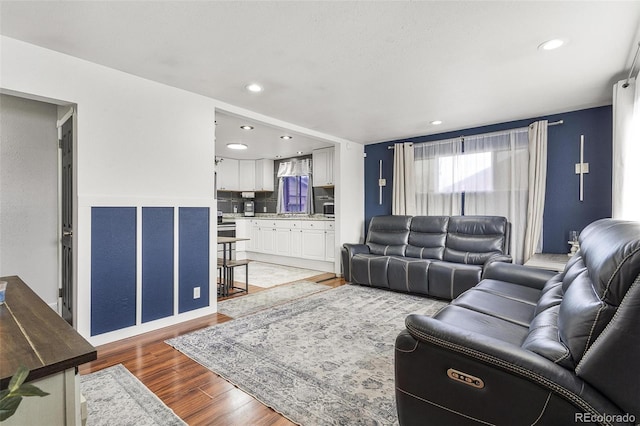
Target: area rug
x: 325, y: 359
x: 269, y: 275
x: 116, y: 397
x: 251, y: 303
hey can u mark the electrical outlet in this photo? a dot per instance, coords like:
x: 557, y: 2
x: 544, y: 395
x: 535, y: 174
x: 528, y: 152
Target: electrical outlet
x: 196, y: 292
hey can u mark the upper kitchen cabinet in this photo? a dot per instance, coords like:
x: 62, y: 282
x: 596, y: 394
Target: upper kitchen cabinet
x: 227, y: 175
x: 264, y: 175
x: 323, y: 167
x: 245, y: 175
x: 247, y: 169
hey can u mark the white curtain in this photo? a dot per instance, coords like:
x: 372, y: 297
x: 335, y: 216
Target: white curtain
x: 404, y: 199
x: 494, y: 177
x: 626, y: 150
x: 537, y: 187
x: 295, y: 168
x: 436, y: 194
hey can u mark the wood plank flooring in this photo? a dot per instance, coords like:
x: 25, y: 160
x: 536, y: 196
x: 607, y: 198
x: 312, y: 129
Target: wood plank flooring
x: 197, y: 395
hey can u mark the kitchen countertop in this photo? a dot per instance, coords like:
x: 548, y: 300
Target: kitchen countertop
x: 228, y: 219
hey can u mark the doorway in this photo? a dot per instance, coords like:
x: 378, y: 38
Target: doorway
x: 66, y: 219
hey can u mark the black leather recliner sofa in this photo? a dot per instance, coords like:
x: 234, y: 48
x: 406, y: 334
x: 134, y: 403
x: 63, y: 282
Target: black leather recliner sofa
x: 439, y: 256
x: 526, y: 347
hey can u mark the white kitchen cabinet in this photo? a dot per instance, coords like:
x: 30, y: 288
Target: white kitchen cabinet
x: 227, y: 175
x: 283, y: 241
x: 243, y: 230
x: 323, y: 167
x: 264, y: 177
x: 330, y: 242
x: 247, y: 175
x: 313, y: 240
x: 296, y: 240
x: 255, y: 244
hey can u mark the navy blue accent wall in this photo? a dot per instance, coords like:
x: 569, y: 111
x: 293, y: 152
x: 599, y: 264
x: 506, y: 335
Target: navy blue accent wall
x: 193, y: 255
x: 563, y: 210
x: 113, y: 268
x: 157, y: 263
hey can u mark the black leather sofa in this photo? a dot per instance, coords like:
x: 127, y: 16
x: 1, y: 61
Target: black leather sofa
x: 439, y: 256
x: 528, y: 347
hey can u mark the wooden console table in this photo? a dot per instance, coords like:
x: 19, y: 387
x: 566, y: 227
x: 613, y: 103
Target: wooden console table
x: 33, y: 335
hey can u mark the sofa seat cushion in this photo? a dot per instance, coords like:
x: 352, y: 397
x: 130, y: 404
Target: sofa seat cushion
x: 477, y: 322
x: 409, y: 274
x: 448, y: 280
x: 498, y: 306
x: 371, y: 269
x: 509, y: 290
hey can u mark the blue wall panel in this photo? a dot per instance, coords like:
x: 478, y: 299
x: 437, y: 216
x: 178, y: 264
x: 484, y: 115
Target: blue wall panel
x: 113, y: 268
x: 157, y: 263
x: 563, y: 210
x: 193, y: 257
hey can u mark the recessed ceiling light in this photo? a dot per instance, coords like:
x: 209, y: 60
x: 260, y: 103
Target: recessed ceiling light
x: 286, y: 138
x: 436, y: 122
x: 246, y: 127
x: 278, y: 156
x: 551, y: 44
x: 236, y: 146
x: 254, y: 87
x: 300, y: 152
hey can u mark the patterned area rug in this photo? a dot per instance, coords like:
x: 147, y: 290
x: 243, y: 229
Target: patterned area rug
x: 269, y: 275
x: 251, y: 303
x: 116, y: 397
x: 325, y: 359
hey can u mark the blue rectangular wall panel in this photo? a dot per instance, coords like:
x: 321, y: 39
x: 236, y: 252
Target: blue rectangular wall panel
x: 193, y: 257
x: 113, y: 268
x: 157, y: 263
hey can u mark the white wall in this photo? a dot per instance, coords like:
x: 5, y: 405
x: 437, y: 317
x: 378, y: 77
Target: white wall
x: 29, y: 194
x: 349, y: 166
x: 138, y: 143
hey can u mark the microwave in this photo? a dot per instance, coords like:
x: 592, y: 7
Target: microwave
x: 328, y: 210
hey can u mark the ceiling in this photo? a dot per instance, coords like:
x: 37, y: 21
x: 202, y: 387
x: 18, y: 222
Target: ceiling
x: 361, y: 71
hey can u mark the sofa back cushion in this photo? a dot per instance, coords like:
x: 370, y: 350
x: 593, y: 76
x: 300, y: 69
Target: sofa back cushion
x: 388, y: 235
x: 427, y: 237
x: 474, y: 239
x: 600, y: 311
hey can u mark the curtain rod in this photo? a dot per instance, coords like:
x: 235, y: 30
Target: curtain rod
x: 633, y: 65
x: 555, y: 123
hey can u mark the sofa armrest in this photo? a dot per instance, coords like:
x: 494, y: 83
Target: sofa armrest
x: 517, y: 274
x: 493, y: 360
x: 498, y: 258
x: 348, y: 251
x: 353, y: 249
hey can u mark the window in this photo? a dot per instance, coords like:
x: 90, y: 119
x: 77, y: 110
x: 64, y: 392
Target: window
x: 465, y: 173
x: 295, y: 193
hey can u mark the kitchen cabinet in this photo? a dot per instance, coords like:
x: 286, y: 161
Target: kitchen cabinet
x: 227, y: 175
x: 264, y: 178
x: 313, y: 240
x: 323, y: 160
x: 247, y: 175
x: 244, y: 175
x: 302, y: 239
x: 330, y: 242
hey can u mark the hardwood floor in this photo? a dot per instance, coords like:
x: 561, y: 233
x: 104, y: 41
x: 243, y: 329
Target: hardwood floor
x: 197, y: 395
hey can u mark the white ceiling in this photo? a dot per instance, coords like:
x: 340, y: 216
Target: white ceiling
x: 362, y: 71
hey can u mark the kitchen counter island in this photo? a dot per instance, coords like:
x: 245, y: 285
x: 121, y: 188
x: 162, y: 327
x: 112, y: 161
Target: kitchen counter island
x: 35, y: 336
